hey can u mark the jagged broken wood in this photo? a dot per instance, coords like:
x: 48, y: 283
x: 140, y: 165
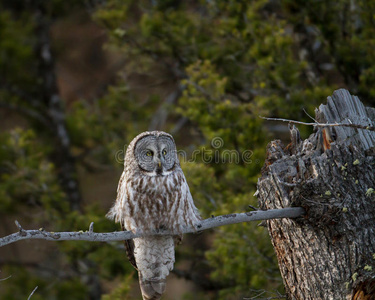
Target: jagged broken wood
x: 330, y: 253
x: 90, y: 235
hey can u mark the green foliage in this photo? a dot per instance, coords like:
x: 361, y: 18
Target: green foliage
x: 237, y: 61
x: 343, y: 33
x: 16, y: 48
x: 105, y: 128
x: 28, y: 180
x: 206, y: 190
x: 229, y: 62
x: 27, y: 177
x: 121, y: 292
x: 23, y: 282
x: 30, y: 187
x: 243, y: 264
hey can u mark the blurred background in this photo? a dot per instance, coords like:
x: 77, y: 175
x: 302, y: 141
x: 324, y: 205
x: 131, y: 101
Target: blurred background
x: 80, y: 79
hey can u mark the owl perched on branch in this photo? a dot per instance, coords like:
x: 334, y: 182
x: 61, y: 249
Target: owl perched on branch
x: 153, y: 194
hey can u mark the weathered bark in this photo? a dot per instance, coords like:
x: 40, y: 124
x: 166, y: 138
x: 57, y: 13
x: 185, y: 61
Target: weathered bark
x: 329, y: 253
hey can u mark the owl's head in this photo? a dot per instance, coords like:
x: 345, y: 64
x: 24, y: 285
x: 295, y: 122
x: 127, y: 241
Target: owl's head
x: 155, y: 153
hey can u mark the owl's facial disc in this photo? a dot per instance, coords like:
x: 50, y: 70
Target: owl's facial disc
x: 156, y: 155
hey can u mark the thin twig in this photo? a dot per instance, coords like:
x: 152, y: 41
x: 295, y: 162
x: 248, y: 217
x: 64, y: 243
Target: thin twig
x: 32, y: 293
x: 91, y: 227
x: 310, y: 116
x: 18, y: 225
x: 371, y: 128
x: 264, y: 293
x: 289, y: 212
x: 2, y: 279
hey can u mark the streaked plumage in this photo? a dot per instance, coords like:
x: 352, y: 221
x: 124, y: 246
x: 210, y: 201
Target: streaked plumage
x: 153, y: 194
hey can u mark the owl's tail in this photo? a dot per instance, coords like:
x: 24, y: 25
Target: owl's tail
x: 152, y: 289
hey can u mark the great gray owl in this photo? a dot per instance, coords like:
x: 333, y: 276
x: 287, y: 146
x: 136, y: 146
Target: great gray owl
x: 153, y: 194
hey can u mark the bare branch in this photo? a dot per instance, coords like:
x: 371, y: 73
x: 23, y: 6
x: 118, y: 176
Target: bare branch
x: 371, y: 128
x: 289, y: 212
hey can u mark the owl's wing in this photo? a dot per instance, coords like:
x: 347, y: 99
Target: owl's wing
x: 129, y: 248
x: 114, y: 212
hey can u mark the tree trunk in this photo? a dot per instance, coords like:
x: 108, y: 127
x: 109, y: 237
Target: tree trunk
x: 330, y: 252
x: 62, y: 155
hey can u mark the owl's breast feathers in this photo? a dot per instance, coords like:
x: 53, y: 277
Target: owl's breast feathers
x: 145, y: 203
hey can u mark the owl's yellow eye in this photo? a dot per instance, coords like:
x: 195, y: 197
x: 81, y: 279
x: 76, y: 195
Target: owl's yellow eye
x: 164, y: 152
x: 149, y: 153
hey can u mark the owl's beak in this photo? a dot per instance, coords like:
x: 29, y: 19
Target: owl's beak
x: 159, y: 169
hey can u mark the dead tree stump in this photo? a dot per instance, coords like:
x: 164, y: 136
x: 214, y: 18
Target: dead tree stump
x: 330, y: 252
